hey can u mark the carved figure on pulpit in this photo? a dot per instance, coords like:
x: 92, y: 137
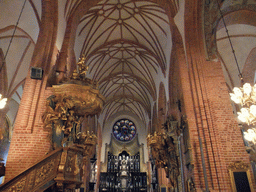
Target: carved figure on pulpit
x: 51, y: 115
x: 82, y: 67
x: 70, y: 121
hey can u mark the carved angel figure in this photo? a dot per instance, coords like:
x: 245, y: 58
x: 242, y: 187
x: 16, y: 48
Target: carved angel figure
x: 82, y: 67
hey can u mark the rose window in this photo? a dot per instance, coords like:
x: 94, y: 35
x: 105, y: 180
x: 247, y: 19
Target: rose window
x: 124, y: 130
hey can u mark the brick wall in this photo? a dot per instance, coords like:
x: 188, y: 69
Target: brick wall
x: 209, y: 111
x: 30, y: 142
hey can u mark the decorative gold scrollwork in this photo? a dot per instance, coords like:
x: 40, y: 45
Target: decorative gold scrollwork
x: 60, y: 112
x: 86, y: 141
x: 44, y: 171
x: 238, y: 165
x: 71, y: 102
x: 19, y: 186
x: 243, y: 170
x: 70, y: 170
x: 191, y: 185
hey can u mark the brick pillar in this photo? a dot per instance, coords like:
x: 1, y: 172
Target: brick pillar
x: 208, y: 109
x: 30, y: 141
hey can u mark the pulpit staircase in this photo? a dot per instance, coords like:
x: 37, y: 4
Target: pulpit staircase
x: 60, y: 170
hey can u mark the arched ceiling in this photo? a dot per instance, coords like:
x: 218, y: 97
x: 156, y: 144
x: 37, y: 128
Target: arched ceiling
x: 239, y: 18
x: 19, y: 53
x: 127, y: 45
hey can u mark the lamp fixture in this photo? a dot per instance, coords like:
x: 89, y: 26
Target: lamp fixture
x: 2, y: 102
x: 244, y: 96
x: 250, y: 135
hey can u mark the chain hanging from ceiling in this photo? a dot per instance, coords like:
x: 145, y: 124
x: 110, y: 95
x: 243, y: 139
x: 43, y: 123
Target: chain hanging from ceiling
x: 244, y: 96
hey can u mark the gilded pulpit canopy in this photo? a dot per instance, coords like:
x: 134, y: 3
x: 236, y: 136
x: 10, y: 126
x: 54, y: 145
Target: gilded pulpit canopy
x: 74, y: 99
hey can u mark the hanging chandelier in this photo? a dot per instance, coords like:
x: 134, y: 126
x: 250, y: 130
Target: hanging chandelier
x: 250, y: 135
x: 244, y: 96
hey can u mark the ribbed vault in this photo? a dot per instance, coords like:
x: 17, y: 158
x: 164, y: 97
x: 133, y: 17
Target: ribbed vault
x: 127, y: 45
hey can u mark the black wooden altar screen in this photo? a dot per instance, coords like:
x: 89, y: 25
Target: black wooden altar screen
x: 123, y: 174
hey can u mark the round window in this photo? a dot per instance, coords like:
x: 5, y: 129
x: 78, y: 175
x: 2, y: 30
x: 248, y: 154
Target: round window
x: 124, y: 130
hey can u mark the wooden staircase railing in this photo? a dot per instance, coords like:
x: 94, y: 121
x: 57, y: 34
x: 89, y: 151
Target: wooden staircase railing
x: 35, y: 177
x: 62, y: 169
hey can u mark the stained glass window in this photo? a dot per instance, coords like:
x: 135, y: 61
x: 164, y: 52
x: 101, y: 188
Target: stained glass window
x: 124, y: 130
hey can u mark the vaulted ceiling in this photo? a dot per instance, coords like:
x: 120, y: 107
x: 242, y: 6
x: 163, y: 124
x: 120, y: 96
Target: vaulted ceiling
x: 127, y: 45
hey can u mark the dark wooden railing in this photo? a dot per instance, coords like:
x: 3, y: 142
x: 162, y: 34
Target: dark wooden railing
x: 60, y: 170
x: 38, y: 177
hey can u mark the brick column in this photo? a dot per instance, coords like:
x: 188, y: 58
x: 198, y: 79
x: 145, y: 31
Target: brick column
x: 208, y: 109
x: 29, y: 141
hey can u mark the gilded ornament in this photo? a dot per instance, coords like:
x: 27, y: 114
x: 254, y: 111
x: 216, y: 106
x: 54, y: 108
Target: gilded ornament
x: 72, y: 101
x: 163, y: 152
x: 80, y: 73
x: 191, y: 185
x: 238, y: 165
x: 70, y: 170
x: 19, y: 186
x: 31, y: 178
x: 65, y: 110
x: 44, y: 171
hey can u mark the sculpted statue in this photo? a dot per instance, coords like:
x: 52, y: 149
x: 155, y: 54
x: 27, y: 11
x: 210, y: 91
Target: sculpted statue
x: 61, y: 118
x: 82, y: 67
x: 80, y: 73
x: 163, y: 150
x: 191, y: 185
